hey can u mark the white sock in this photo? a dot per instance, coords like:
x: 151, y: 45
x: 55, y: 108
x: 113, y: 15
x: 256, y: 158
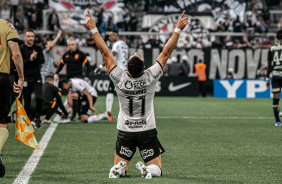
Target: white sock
x: 104, y: 115
x: 154, y: 170
x: 94, y: 118
x: 109, y: 101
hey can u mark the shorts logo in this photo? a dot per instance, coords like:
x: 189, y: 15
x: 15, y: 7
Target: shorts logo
x: 125, y: 151
x: 147, y: 153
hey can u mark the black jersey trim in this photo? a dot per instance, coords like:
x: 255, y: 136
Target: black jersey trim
x: 14, y: 40
x: 161, y: 66
x: 112, y: 69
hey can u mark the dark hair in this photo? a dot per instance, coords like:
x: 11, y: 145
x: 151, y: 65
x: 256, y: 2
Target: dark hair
x: 62, y: 82
x: 200, y: 61
x: 49, y: 78
x: 135, y: 66
x: 114, y: 31
x: 29, y: 30
x: 279, y: 35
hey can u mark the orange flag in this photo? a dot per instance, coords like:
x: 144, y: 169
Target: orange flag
x: 24, y: 129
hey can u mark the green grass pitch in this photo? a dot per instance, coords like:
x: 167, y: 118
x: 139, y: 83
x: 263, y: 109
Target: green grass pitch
x: 207, y: 140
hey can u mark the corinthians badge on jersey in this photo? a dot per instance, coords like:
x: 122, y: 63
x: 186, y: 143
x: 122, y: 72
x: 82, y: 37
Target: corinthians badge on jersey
x: 128, y: 84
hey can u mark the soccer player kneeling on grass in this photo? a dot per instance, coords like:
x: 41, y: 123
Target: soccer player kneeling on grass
x: 86, y: 99
x: 136, y: 120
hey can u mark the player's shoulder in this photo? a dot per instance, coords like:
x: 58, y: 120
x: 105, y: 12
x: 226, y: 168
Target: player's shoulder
x: 275, y: 47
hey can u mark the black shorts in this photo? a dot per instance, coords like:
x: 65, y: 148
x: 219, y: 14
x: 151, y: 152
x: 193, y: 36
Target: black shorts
x: 5, y: 103
x: 276, y: 85
x: 111, y: 88
x: 84, y: 105
x: 147, y: 142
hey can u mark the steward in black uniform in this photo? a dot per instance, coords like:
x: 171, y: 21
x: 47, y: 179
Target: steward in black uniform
x: 275, y: 65
x: 32, y: 58
x: 50, y: 105
x: 74, y: 61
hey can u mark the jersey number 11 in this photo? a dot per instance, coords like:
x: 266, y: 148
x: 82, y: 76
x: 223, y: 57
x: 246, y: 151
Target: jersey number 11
x: 142, y: 100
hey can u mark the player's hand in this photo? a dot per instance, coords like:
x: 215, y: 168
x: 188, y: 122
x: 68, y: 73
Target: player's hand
x: 56, y: 77
x: 18, y: 87
x: 86, y: 79
x: 89, y: 21
x: 267, y: 84
x: 93, y: 110
x: 183, y: 21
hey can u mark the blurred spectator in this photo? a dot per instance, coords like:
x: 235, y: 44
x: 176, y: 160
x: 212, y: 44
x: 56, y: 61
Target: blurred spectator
x: 119, y: 16
x: 39, y: 4
x: 185, y: 67
x: 38, y: 11
x: 244, y: 43
x: 197, y: 29
x: 249, y: 22
x: 154, y: 42
x: 80, y: 41
x: 133, y: 22
x: 254, y: 15
x: 17, y: 19
x: 279, y: 25
x: 100, y: 15
x: 255, y: 42
x: 261, y: 26
x: 229, y: 23
x: 109, y: 26
x: 228, y: 43
x: 262, y: 71
x: 140, y: 44
x: 126, y: 17
x: 230, y: 74
x: 5, y: 11
x: 221, y: 27
x: 266, y: 43
x: 37, y: 40
x: 91, y: 43
x: 217, y: 43
x: 91, y: 10
x: 53, y: 21
x: 187, y: 43
x: 14, y: 4
x: 238, y: 27
x: 174, y: 69
x: 198, y: 44
x: 33, y: 23
x: 27, y: 10
x: 265, y: 14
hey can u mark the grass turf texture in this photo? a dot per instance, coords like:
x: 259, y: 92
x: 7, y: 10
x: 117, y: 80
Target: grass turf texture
x: 205, y: 150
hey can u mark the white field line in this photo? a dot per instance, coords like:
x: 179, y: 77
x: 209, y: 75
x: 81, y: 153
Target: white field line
x: 33, y: 160
x: 212, y: 117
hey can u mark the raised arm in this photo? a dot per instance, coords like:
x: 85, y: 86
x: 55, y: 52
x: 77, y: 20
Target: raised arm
x: 18, y: 60
x: 53, y: 43
x: 171, y: 44
x: 107, y: 56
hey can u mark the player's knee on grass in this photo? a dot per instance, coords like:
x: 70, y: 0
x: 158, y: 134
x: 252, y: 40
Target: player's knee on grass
x: 83, y: 118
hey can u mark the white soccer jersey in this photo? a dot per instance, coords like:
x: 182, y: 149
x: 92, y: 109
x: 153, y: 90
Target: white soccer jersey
x: 79, y: 85
x: 121, y: 48
x: 136, y: 96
